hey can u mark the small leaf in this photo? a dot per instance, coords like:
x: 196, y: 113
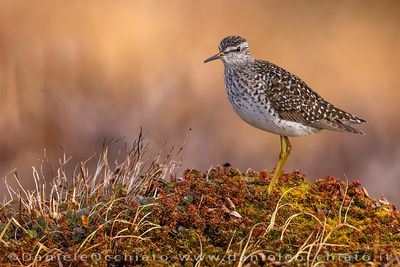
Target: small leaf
x: 85, y: 221
x: 32, y: 233
x: 62, y: 205
x: 235, y: 214
x: 181, y: 208
x: 187, y: 199
x: 230, y: 203
x: 42, y: 222
x: 69, y: 213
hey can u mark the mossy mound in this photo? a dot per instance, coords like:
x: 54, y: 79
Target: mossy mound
x: 228, y: 213
x: 221, y: 216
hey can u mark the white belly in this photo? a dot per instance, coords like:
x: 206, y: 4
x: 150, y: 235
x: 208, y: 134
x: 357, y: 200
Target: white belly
x: 259, y: 117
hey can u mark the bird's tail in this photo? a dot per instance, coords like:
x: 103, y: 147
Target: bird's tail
x: 340, y: 125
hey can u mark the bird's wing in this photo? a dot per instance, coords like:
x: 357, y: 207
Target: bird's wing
x: 295, y: 101
x: 292, y: 98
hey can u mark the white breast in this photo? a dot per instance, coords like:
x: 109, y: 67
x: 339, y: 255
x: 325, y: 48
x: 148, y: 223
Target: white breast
x: 260, y: 117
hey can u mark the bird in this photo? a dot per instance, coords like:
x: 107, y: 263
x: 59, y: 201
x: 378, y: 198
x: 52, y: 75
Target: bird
x: 272, y: 99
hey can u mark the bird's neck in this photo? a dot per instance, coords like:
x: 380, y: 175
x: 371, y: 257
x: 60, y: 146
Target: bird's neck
x: 239, y: 63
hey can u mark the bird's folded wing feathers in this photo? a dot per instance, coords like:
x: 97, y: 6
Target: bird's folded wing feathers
x: 295, y: 101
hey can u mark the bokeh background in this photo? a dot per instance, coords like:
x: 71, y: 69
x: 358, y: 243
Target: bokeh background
x: 75, y: 72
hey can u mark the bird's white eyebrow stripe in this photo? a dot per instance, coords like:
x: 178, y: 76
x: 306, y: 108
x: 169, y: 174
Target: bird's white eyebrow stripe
x: 243, y: 45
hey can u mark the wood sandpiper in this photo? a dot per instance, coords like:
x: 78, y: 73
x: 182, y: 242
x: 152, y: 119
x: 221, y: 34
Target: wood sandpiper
x: 274, y: 100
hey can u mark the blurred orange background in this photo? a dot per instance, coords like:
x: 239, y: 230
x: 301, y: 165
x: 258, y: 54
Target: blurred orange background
x: 75, y: 72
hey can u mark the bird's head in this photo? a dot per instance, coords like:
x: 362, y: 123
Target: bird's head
x: 233, y: 50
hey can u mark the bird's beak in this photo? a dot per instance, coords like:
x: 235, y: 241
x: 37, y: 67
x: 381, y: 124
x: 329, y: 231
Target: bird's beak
x: 214, y: 57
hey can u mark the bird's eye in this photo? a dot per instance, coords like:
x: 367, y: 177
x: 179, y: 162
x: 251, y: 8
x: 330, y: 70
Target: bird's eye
x: 238, y: 49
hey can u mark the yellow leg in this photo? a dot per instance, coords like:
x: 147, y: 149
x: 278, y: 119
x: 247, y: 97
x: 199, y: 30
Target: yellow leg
x: 286, y: 148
